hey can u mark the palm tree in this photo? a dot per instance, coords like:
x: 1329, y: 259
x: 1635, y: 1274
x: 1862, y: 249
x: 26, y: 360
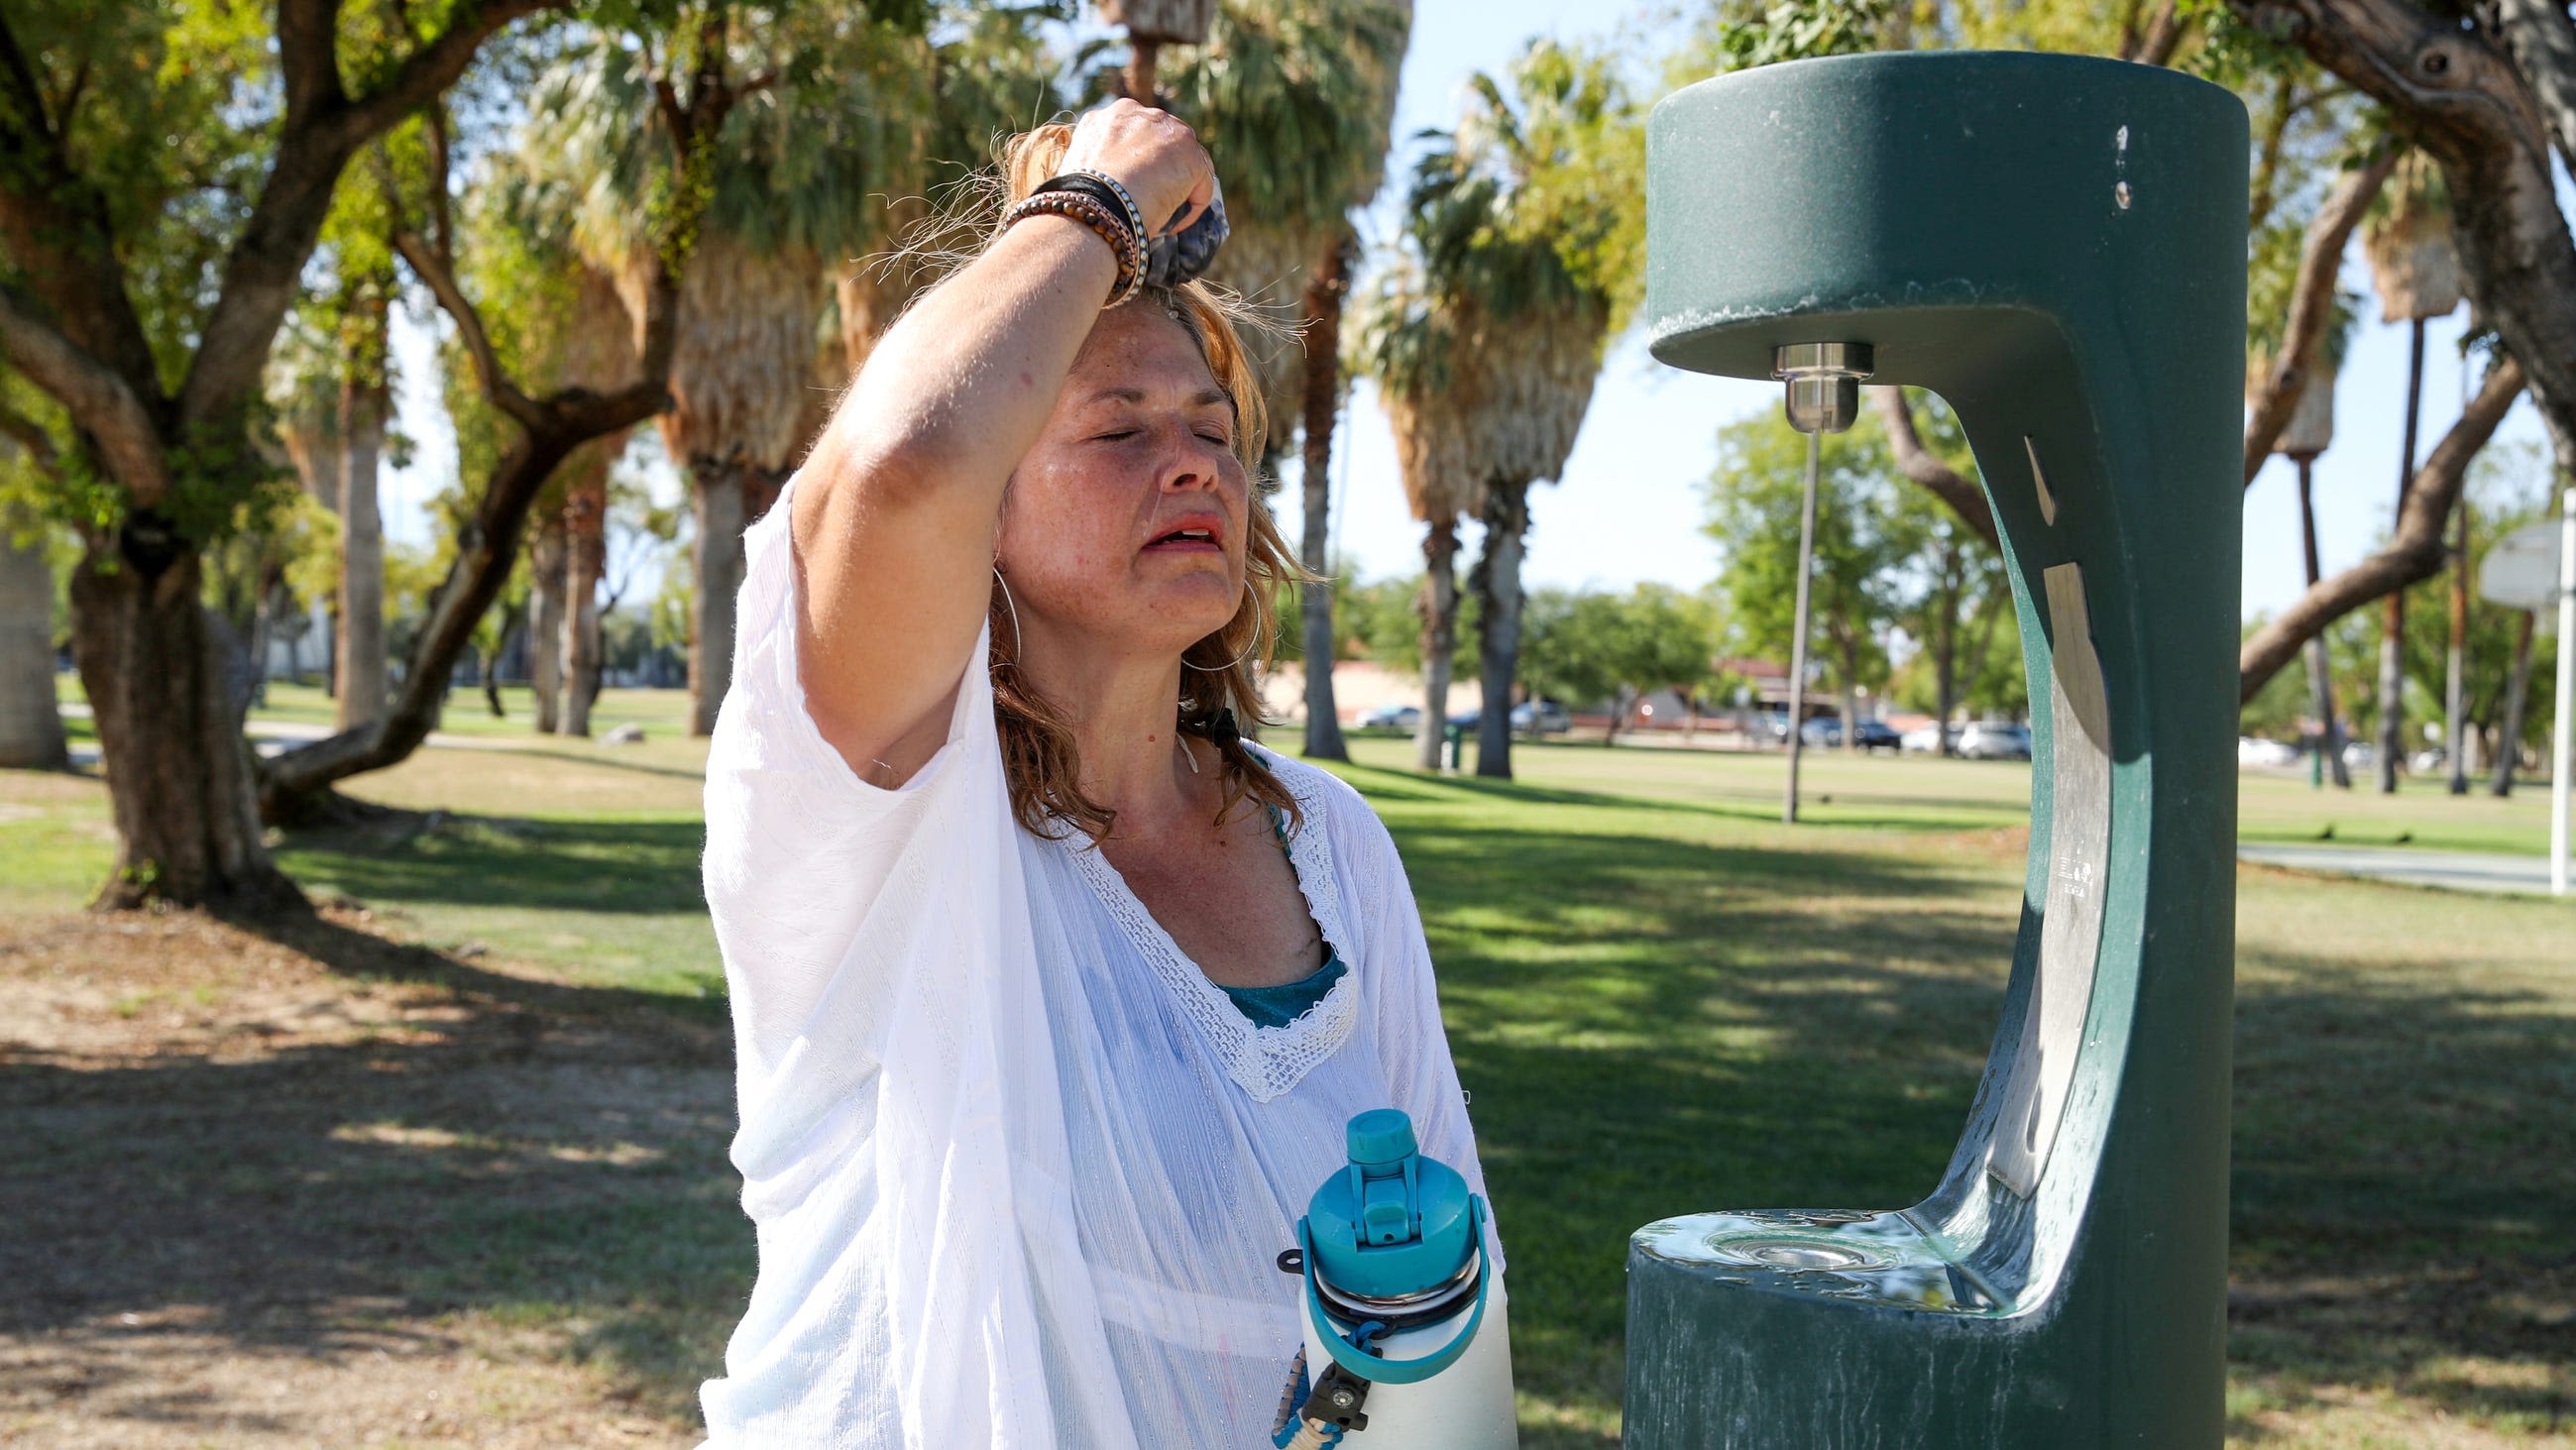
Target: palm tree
x: 2417, y: 272
x: 1526, y: 222
x: 599, y: 351
x: 2309, y: 433
x: 1295, y: 98
x: 1407, y: 347
x: 834, y: 124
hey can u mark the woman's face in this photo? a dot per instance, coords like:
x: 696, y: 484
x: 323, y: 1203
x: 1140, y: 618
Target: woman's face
x: 1127, y: 521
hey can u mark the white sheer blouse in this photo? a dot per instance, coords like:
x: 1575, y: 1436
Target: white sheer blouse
x: 1020, y: 1172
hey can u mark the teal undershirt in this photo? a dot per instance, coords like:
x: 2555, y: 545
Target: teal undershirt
x: 1278, y: 1006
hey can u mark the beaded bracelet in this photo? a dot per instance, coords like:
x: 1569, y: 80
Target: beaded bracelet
x: 1126, y: 199
x: 1110, y: 227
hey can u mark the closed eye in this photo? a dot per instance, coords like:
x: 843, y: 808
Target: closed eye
x: 1117, y: 436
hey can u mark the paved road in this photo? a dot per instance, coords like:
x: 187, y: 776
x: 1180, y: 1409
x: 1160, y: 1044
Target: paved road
x: 2457, y: 870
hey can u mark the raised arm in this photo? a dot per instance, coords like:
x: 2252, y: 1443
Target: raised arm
x: 895, y: 511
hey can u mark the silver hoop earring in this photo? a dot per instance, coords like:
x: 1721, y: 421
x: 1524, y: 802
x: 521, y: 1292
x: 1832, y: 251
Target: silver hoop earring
x: 1013, y: 606
x: 1249, y: 645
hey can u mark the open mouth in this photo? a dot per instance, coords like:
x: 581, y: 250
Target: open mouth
x: 1186, y: 538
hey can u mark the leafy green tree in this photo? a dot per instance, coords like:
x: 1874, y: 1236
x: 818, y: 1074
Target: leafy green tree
x: 1598, y: 647
x: 168, y: 170
x: 1864, y: 541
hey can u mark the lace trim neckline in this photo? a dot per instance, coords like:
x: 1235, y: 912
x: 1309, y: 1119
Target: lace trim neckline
x: 1264, y: 1061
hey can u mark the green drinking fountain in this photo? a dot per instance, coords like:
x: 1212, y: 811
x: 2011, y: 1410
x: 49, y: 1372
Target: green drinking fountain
x: 2056, y: 246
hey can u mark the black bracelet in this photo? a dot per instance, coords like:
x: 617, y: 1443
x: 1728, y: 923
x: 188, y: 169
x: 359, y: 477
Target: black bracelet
x: 1085, y: 183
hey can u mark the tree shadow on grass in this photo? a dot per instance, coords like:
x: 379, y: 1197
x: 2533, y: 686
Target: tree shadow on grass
x: 2404, y: 1209
x: 1652, y: 1027
x: 578, y: 865
x: 468, y: 1142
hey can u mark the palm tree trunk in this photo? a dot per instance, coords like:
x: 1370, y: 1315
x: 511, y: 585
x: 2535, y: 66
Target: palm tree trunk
x: 1847, y: 643
x: 31, y: 723
x: 2455, y: 679
x: 1439, y: 609
x: 1945, y: 655
x: 2508, y: 756
x: 546, y: 565
x: 358, y: 668
x: 2392, y: 642
x: 1498, y: 584
x: 585, y: 559
x: 2320, y: 672
x: 720, y: 500
x: 1322, y: 337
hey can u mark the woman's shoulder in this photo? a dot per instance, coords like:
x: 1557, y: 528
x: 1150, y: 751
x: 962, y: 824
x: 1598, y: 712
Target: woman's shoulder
x: 1332, y: 804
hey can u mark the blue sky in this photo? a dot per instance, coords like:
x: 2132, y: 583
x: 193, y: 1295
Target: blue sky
x: 1628, y: 508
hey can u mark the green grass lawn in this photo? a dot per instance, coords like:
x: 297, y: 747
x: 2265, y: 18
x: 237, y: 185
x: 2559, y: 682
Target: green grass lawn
x: 1664, y: 1001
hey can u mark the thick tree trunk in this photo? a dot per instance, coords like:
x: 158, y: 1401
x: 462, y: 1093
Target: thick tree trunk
x: 548, y: 582
x: 1498, y: 595
x: 169, y: 730
x: 2508, y: 756
x: 1322, y: 339
x: 1439, y: 610
x: 2320, y: 670
x: 721, y: 506
x: 585, y: 560
x: 358, y: 670
x: 31, y: 723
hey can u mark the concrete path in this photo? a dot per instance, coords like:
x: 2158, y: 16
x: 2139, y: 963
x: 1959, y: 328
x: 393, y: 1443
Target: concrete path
x: 2455, y: 870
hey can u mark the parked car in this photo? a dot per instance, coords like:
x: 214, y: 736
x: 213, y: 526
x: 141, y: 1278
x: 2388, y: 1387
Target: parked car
x: 1995, y: 740
x: 1926, y: 739
x: 2256, y: 752
x: 1826, y: 732
x: 2360, y: 755
x: 1771, y: 727
x: 1541, y: 717
x: 1393, y: 717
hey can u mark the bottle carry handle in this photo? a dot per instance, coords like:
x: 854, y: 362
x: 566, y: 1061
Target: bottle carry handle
x: 1399, y: 1371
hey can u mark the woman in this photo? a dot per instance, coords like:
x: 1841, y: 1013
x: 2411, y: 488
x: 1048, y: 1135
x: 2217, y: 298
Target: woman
x: 1052, y: 996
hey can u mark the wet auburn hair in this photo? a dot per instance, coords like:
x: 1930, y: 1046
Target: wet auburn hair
x: 1220, y: 672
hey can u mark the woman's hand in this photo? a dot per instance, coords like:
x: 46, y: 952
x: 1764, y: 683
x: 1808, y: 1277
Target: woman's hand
x: 1154, y: 154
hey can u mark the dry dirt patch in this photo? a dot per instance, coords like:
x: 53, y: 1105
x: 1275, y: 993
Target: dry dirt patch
x: 309, y: 1186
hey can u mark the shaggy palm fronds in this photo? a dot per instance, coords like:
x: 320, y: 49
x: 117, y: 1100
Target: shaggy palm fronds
x: 743, y: 365
x: 2414, y: 262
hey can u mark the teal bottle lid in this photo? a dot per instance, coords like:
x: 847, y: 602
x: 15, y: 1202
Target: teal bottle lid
x: 1393, y: 1223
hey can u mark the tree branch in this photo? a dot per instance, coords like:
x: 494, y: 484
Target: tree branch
x: 1925, y: 467
x: 100, y: 403
x: 437, y: 65
x: 31, y: 436
x: 308, y: 60
x: 434, y: 272
x: 2542, y: 41
x: 2460, y: 96
x: 267, y: 259
x: 2312, y: 299
x: 2164, y: 35
x: 2414, y: 553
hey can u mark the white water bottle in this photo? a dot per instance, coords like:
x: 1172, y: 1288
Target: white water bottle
x: 1408, y: 1345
